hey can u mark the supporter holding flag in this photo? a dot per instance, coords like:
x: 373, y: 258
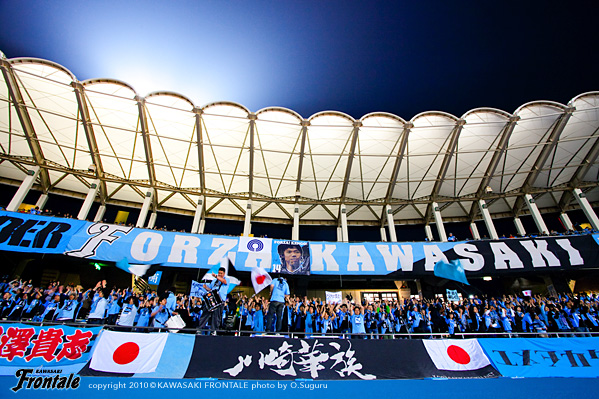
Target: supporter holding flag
x: 227, y: 266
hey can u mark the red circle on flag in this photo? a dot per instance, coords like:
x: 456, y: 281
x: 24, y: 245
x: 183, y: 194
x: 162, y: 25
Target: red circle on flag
x: 458, y: 354
x: 126, y: 353
x: 260, y: 279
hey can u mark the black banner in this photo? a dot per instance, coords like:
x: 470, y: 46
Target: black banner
x: 274, y: 358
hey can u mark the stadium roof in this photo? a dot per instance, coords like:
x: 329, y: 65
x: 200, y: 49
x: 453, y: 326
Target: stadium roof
x: 226, y: 154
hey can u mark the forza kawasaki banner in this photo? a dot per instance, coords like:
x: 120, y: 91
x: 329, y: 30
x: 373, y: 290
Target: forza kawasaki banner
x: 23, y: 232
x: 110, y: 242
x: 409, y: 260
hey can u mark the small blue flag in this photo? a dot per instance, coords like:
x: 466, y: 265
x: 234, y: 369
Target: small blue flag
x: 155, y: 279
x: 451, y: 271
x: 197, y: 289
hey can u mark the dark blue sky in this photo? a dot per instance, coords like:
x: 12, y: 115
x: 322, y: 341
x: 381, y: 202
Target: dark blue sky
x: 351, y: 56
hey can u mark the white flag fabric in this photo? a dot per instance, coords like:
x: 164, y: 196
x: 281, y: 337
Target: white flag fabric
x: 456, y: 354
x: 333, y: 297
x: 260, y: 279
x: 121, y: 352
x: 253, y: 244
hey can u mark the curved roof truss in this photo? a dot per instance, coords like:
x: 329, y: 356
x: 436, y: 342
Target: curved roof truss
x: 225, y: 155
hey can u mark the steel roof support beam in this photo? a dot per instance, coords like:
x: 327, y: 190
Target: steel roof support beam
x: 342, y: 218
x: 26, y: 123
x: 550, y: 144
x: 580, y: 173
x: 296, y: 214
x: 91, y: 138
x: 508, y: 129
x: 453, y: 143
x: 350, y: 160
x: 252, y: 118
x: 304, y: 133
x: 198, y: 221
x: 143, y: 121
x: 247, y: 224
x: 401, y: 151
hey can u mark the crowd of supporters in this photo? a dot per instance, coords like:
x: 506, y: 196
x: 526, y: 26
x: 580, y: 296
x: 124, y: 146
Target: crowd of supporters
x: 140, y: 311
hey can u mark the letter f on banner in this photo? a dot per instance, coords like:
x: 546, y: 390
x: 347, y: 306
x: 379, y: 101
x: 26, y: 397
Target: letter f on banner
x: 100, y: 233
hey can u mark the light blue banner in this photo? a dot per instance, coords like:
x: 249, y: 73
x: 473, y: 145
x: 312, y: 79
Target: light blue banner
x: 23, y: 232
x: 114, y: 243
x: 109, y: 242
x: 45, y: 348
x: 544, y: 357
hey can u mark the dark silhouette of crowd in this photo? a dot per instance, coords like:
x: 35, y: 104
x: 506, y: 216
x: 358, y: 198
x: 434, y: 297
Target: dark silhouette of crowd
x: 146, y: 310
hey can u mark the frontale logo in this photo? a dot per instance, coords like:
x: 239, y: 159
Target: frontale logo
x: 29, y: 380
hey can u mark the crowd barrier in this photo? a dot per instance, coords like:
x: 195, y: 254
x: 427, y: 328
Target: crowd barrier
x: 100, y: 351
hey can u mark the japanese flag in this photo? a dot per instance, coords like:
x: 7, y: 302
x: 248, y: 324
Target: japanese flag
x: 456, y: 354
x: 260, y: 279
x: 120, y: 352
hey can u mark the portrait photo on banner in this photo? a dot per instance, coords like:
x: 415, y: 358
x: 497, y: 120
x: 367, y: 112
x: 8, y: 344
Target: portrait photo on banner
x: 291, y: 257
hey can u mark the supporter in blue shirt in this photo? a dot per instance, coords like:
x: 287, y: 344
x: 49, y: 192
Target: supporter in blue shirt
x: 527, y: 322
x: 51, y: 307
x: 257, y: 318
x: 144, y: 317
x: 451, y: 324
x: 97, y: 314
x: 310, y: 321
x: 279, y: 292
x: 128, y: 314
x: 219, y: 286
x: 67, y: 310
x: 160, y: 313
x: 17, y: 308
x: 358, y: 322
x: 32, y: 308
x: 343, y: 319
x: 171, y: 300
x: 113, y: 310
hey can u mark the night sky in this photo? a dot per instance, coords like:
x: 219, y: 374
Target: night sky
x: 403, y: 57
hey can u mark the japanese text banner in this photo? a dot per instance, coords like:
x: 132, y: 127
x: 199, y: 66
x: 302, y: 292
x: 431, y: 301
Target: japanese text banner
x: 53, y: 347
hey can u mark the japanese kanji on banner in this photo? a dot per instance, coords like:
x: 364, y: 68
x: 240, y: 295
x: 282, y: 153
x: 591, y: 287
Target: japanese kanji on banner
x: 54, y: 347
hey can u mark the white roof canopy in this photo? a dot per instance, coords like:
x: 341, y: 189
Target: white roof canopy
x: 226, y: 154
